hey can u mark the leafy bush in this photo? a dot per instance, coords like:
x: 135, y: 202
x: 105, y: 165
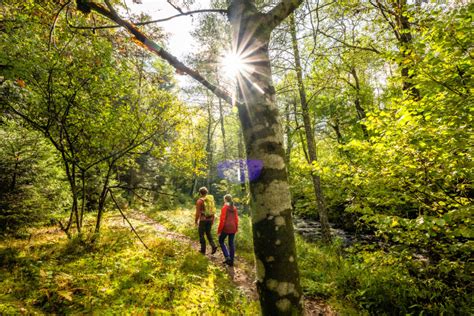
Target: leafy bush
x: 362, y: 279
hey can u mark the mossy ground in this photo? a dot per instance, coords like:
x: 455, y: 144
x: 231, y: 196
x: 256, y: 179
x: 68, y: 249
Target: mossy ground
x: 48, y: 273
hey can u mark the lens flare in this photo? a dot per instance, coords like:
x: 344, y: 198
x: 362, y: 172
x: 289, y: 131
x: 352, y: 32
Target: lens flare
x: 234, y: 65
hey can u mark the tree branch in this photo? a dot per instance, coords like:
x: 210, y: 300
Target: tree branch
x: 281, y: 11
x: 125, y: 217
x: 51, y: 31
x: 370, y: 49
x: 222, y: 11
x: 144, y: 41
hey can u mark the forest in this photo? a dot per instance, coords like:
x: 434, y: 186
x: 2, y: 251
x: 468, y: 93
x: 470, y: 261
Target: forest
x: 343, y: 130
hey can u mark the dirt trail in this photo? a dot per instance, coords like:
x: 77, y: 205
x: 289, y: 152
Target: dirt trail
x: 244, y: 279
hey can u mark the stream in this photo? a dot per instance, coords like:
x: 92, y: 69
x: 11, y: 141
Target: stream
x: 310, y: 230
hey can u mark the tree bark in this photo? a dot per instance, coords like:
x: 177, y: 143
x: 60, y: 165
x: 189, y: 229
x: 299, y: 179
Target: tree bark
x: 308, y: 127
x: 278, y: 281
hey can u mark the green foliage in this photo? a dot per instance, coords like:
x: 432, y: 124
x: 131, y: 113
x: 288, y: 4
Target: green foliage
x: 54, y: 275
x: 31, y: 180
x: 410, y: 185
x: 87, y: 96
x: 361, y: 279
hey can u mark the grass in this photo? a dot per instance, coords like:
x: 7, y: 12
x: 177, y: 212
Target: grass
x: 49, y: 274
x: 182, y: 220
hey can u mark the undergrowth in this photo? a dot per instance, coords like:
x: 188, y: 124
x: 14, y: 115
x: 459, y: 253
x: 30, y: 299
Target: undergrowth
x: 354, y: 281
x: 49, y: 274
x: 363, y: 281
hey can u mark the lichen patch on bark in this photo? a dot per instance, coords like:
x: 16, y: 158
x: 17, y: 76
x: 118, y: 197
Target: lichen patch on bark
x: 285, y: 288
x: 276, y: 161
x: 279, y: 221
x: 283, y: 304
x: 272, y: 284
x: 274, y: 200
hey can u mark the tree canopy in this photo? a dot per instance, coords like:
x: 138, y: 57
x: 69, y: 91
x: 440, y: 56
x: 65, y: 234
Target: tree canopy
x: 356, y: 114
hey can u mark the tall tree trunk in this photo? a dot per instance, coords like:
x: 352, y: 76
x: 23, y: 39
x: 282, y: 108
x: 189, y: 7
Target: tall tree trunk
x: 70, y: 173
x: 193, y: 180
x: 289, y: 143
x: 274, y: 244
x: 221, y: 120
x: 399, y: 22
x: 405, y: 39
x: 243, y: 172
x: 209, y: 145
x: 224, y: 143
x: 321, y: 205
x: 304, y: 145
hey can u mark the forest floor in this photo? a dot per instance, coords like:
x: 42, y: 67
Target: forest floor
x: 242, y: 273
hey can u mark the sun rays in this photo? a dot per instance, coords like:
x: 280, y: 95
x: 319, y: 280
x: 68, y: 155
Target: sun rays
x: 242, y: 67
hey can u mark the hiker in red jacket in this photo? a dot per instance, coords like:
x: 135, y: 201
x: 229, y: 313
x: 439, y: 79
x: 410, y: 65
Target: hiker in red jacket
x: 204, y: 222
x: 228, y: 225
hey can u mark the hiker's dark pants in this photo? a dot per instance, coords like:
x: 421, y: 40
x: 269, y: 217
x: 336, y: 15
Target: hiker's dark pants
x: 227, y: 254
x: 205, y: 228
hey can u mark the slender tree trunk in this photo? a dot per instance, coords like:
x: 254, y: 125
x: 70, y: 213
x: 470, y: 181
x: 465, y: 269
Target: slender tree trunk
x: 224, y: 143
x: 243, y: 172
x: 360, y: 110
x: 83, y: 202
x: 277, y: 271
x: 321, y: 205
x: 209, y: 147
x: 289, y: 142
x: 402, y: 30
x: 103, y: 197
x: 70, y: 173
x: 298, y: 130
x: 221, y: 119
x: 405, y: 39
x: 194, y: 180
x: 337, y: 129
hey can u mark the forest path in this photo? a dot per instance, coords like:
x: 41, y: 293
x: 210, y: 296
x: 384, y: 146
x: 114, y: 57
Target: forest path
x: 242, y: 273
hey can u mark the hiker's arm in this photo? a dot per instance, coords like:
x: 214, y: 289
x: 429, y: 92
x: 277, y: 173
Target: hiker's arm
x: 221, y: 220
x: 198, y: 211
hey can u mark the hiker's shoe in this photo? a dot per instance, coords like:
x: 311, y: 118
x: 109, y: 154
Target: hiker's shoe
x: 214, y: 249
